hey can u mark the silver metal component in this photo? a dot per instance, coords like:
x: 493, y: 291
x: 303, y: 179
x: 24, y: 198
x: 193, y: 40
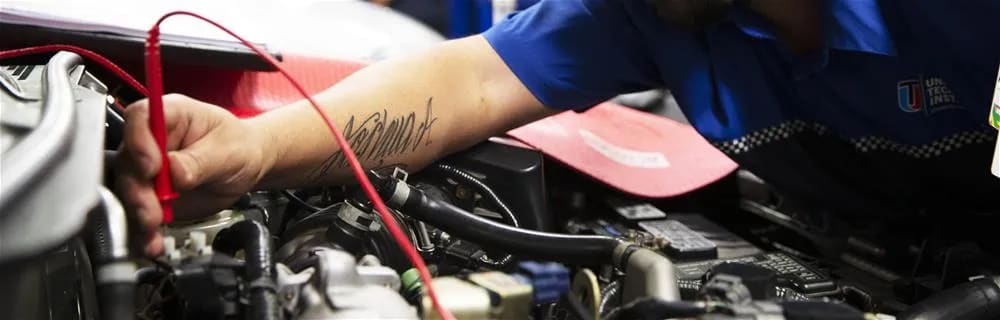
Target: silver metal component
x: 117, y: 224
x: 340, y: 289
x: 369, y: 260
x: 373, y: 272
x: 116, y: 272
x: 59, y: 154
x: 7, y: 81
x: 48, y: 140
x: 289, y: 285
x: 424, y: 243
x: 379, y: 276
x: 209, y: 226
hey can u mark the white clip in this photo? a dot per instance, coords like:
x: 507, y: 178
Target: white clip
x: 170, y: 248
x: 400, y: 174
x: 199, y: 243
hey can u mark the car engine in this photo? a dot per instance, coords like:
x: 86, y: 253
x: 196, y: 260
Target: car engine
x: 507, y: 233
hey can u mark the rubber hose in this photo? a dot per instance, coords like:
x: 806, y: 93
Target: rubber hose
x: 806, y: 310
x: 112, y: 304
x: 485, y: 190
x: 505, y: 213
x: 979, y: 299
x: 255, y: 240
x: 653, y: 308
x: 571, y: 249
x: 149, y: 275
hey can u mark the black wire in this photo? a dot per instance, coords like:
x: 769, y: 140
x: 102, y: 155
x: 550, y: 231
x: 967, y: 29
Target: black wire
x: 919, y: 260
x: 266, y: 215
x: 294, y: 198
x: 483, y: 188
x: 576, y: 307
x: 163, y: 264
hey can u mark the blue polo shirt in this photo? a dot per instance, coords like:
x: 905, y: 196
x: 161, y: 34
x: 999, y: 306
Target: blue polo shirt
x: 889, y: 116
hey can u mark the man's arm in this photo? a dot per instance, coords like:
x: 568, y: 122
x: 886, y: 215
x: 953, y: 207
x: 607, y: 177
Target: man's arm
x: 405, y: 112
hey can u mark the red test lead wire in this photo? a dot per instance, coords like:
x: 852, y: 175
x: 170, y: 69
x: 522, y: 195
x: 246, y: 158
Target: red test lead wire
x: 155, y: 85
x: 157, y: 122
x: 93, y: 56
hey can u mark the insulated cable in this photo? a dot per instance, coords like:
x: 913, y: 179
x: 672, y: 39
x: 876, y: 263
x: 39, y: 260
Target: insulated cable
x: 165, y: 191
x: 93, y: 56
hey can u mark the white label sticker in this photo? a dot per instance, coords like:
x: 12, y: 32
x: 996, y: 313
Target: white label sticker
x: 995, y: 168
x: 632, y: 158
x: 640, y: 211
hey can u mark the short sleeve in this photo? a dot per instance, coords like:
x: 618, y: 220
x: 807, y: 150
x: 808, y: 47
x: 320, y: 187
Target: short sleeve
x: 573, y: 54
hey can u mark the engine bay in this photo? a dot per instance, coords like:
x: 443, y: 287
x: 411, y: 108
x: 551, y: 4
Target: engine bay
x: 506, y: 232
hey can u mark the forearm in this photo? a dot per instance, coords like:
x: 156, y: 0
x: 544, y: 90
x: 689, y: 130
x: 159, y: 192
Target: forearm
x: 405, y: 112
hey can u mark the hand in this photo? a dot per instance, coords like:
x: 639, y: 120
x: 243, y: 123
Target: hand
x: 214, y: 158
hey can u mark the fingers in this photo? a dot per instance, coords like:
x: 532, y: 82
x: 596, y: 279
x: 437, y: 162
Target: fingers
x: 203, y: 153
x: 154, y: 243
x: 138, y: 146
x: 138, y: 163
x: 136, y: 192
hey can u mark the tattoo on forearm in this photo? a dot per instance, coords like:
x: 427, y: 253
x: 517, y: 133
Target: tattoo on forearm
x: 379, y: 136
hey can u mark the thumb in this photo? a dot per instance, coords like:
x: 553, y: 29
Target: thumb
x: 195, y: 165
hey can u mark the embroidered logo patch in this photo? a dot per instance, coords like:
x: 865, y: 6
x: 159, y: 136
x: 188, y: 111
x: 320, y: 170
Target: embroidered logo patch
x: 929, y: 95
x: 911, y: 95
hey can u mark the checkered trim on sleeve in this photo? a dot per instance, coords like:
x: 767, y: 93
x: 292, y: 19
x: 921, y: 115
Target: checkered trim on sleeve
x: 768, y: 135
x: 864, y: 144
x: 923, y: 151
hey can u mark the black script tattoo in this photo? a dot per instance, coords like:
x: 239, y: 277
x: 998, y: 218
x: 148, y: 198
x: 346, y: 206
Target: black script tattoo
x: 379, y: 136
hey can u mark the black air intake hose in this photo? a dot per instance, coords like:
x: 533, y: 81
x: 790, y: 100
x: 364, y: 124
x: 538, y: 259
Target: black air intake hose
x: 255, y: 240
x: 571, y: 249
x: 978, y: 299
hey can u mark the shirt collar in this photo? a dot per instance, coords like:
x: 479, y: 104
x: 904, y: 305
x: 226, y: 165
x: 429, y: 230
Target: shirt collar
x: 853, y: 25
